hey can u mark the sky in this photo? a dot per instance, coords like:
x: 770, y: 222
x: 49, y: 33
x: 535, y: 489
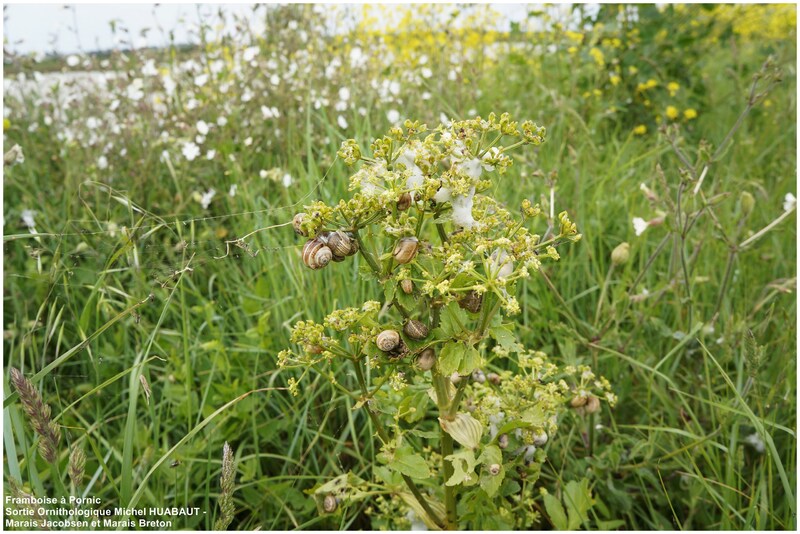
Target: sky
x: 45, y: 28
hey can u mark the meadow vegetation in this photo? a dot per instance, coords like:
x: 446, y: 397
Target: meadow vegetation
x: 152, y: 275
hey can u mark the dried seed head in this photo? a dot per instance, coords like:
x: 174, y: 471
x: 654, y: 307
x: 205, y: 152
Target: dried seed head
x: 227, y: 481
x: 406, y: 249
x: 407, y: 286
x: 316, y: 254
x: 426, y: 360
x: 329, y: 504
x: 494, y: 469
x: 38, y: 415
x: 415, y: 329
x: 388, y: 340
x: 297, y: 224
x: 471, y: 302
x: 77, y: 463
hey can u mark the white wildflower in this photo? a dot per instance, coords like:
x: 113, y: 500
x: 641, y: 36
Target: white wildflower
x: 789, y: 202
x: 205, y: 200
x: 342, y: 122
x: 202, y: 127
x: 639, y: 225
x: 190, y: 151
x: 27, y: 218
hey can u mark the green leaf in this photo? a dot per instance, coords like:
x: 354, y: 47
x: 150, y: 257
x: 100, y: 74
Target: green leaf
x: 414, y: 406
x: 409, y: 463
x: 470, y: 360
x: 489, y: 482
x: 464, y: 463
x: 463, y: 428
x: 578, y: 499
x: 449, y: 358
x: 504, y: 336
x: 389, y: 289
x: 453, y: 320
x: 556, y: 512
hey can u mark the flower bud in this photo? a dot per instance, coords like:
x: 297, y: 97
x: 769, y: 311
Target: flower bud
x: 620, y: 255
x: 747, y: 202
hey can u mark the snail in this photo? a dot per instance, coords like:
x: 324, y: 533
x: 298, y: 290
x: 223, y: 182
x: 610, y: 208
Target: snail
x: 578, y: 401
x: 406, y: 249
x: 297, y: 223
x: 341, y: 244
x: 478, y: 376
x: 329, y: 504
x: 407, y: 286
x: 540, y: 439
x: 502, y: 441
x: 471, y: 302
x: 494, y: 378
x: 404, y: 202
x: 426, y: 360
x: 592, y: 405
x: 388, y: 340
x: 316, y: 254
x: 415, y: 329
x: 494, y: 469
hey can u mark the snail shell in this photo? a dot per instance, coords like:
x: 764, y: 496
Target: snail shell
x: 388, y: 340
x: 502, y: 441
x: 329, y: 504
x: 471, y: 302
x: 404, y: 202
x: 578, y: 401
x: 341, y: 244
x: 494, y: 469
x: 592, y: 405
x: 540, y: 439
x: 406, y: 249
x: 407, y: 286
x: 478, y: 376
x: 415, y: 329
x: 297, y: 224
x: 494, y: 378
x: 316, y: 254
x: 426, y: 360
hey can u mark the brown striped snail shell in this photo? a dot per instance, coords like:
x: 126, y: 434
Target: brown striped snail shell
x: 471, y: 302
x: 297, y: 223
x: 407, y: 286
x: 329, y: 504
x: 406, y: 249
x: 494, y: 469
x: 578, y: 401
x: 341, y: 244
x: 415, y: 329
x: 502, y: 441
x: 404, y: 202
x: 388, y: 340
x: 426, y: 360
x: 316, y: 254
x: 494, y: 378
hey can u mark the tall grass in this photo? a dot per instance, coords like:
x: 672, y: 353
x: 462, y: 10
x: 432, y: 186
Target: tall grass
x: 88, y: 310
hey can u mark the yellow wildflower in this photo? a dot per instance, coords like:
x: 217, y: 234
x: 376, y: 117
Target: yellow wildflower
x: 673, y: 88
x: 689, y: 114
x: 671, y: 112
x: 640, y: 130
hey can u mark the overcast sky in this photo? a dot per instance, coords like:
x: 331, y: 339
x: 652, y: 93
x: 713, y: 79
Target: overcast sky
x: 51, y: 27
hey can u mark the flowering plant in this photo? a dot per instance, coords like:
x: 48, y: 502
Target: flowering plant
x: 447, y: 256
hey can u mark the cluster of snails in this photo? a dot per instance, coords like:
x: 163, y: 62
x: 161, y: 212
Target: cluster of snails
x: 390, y: 342
x: 327, y: 247
x: 585, y: 404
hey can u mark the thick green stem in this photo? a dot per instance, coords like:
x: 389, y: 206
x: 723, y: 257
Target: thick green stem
x: 443, y: 402
x: 412, y: 486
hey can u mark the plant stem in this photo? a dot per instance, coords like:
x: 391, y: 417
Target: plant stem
x: 442, y: 398
x: 366, y: 254
x: 603, y: 294
x: 385, y: 438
